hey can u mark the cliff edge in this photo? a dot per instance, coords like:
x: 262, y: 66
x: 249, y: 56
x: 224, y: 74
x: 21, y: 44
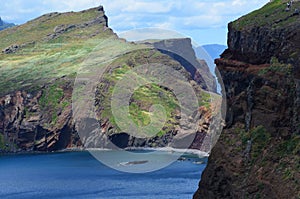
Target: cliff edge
x: 258, y: 153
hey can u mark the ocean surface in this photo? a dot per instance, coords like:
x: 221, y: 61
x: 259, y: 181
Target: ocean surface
x: 79, y: 175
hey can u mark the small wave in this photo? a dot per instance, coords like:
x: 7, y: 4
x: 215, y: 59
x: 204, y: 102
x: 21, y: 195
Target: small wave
x: 200, y: 154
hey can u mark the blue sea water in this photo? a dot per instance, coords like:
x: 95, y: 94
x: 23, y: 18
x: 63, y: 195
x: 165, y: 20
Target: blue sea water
x: 79, y: 175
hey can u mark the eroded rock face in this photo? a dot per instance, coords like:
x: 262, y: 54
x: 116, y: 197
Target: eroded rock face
x: 256, y: 154
x: 254, y: 100
x: 28, y: 124
x: 43, y: 121
x: 100, y: 20
x: 182, y: 51
x: 257, y: 45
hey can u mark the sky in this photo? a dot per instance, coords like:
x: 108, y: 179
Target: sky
x: 205, y: 21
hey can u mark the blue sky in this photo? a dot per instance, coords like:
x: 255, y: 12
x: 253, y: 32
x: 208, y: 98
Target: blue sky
x: 203, y: 20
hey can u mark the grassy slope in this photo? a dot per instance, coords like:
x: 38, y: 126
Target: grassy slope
x: 45, y: 60
x: 143, y: 97
x: 272, y: 14
x: 146, y: 96
x: 39, y: 28
x: 42, y: 61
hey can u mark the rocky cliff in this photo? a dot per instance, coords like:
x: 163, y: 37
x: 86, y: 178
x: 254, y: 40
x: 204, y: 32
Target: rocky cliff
x: 4, y: 25
x: 40, y: 61
x: 257, y: 155
x: 182, y: 51
x: 35, y: 96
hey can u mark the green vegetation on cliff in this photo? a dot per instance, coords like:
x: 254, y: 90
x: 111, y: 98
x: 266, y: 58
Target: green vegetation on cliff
x: 47, y: 49
x: 272, y: 14
x: 257, y: 155
x: 41, y: 62
x: 2, y: 142
x: 143, y: 97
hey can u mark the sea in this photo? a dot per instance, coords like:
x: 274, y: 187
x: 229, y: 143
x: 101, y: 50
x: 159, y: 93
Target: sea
x: 79, y: 175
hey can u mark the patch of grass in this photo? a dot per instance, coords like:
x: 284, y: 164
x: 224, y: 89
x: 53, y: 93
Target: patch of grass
x: 2, y: 142
x: 54, y: 101
x: 277, y: 67
x: 142, y: 98
x: 38, y: 29
x: 258, y: 196
x: 288, y: 173
x: 51, y: 97
x: 260, y: 139
x: 289, y: 147
x: 205, y: 99
x: 146, y: 96
x: 27, y: 113
x: 43, y: 60
x: 272, y: 14
x: 47, y: 61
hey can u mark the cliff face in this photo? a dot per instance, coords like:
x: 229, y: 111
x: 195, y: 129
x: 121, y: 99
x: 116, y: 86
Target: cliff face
x: 182, y: 51
x: 257, y: 155
x: 29, y: 124
x: 40, y: 61
x: 35, y: 96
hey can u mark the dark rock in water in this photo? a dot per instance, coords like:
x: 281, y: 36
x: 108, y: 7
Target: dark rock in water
x: 182, y: 159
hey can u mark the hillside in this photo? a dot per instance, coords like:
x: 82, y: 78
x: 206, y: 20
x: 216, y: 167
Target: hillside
x: 257, y: 155
x: 43, y: 101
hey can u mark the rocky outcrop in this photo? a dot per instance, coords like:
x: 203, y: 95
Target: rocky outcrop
x: 182, y: 51
x: 257, y: 153
x: 279, y: 36
x: 31, y: 122
x: 11, y: 49
x: 101, y: 19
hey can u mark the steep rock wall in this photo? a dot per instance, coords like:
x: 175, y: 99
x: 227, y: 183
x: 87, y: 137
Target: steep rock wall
x: 257, y: 155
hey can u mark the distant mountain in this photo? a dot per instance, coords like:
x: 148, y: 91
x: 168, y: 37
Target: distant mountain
x: 4, y: 25
x: 214, y: 50
x: 209, y: 53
